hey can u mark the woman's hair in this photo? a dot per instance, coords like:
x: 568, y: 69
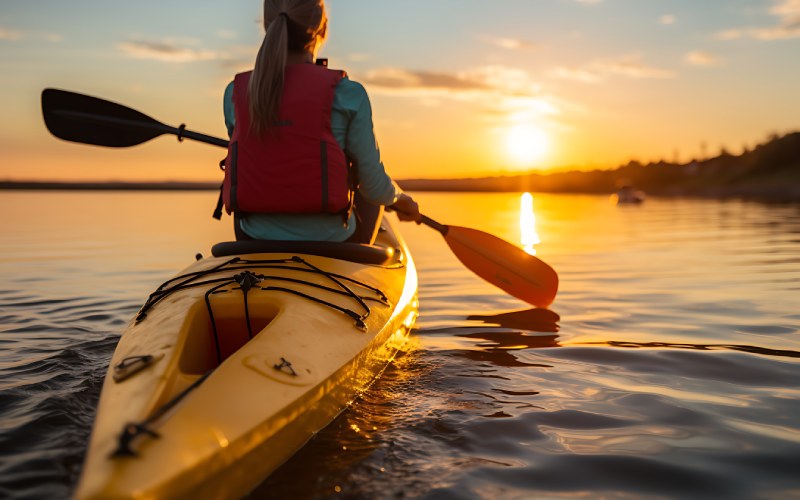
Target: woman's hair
x: 291, y: 25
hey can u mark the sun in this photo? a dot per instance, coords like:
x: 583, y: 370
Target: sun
x: 526, y: 144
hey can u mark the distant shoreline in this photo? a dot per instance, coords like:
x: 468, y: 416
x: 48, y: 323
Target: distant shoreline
x: 770, y: 171
x: 486, y: 185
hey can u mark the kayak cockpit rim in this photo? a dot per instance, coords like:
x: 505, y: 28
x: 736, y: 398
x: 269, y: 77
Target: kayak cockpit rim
x: 351, y: 252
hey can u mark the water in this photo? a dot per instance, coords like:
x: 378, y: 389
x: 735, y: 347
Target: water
x: 667, y: 366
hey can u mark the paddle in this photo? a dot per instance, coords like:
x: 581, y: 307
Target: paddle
x: 89, y: 120
x: 500, y: 263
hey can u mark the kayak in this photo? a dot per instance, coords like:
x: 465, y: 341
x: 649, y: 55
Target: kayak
x: 230, y: 367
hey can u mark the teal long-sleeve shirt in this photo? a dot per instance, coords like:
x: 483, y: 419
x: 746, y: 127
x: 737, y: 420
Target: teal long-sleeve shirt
x: 351, y: 123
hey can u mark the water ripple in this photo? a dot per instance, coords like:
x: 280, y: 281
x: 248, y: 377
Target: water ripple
x: 667, y: 367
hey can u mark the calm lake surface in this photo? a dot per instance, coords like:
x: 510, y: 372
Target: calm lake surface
x: 668, y: 366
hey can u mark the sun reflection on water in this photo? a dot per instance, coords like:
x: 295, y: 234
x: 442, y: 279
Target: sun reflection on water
x: 527, y: 224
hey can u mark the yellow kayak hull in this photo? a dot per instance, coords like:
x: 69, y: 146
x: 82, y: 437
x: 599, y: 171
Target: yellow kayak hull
x: 215, y: 411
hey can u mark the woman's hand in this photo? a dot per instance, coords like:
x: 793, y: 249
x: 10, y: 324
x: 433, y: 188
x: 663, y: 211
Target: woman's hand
x: 406, y: 208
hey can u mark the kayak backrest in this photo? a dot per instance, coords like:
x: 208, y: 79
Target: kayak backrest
x: 352, y: 252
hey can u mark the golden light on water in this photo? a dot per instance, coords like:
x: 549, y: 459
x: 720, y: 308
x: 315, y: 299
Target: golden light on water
x: 527, y: 224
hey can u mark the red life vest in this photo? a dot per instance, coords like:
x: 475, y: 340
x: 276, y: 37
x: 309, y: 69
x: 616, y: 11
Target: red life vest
x: 297, y: 166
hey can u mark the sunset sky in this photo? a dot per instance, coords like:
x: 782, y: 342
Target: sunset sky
x: 459, y: 87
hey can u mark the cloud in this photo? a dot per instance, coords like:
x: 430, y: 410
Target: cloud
x: 498, y: 91
x: 166, y: 51
x: 629, y: 66
x: 788, y: 14
x: 788, y: 10
x: 510, y: 43
x: 9, y: 34
x: 589, y: 2
x: 395, y: 78
x: 237, y: 57
x: 512, y: 81
x: 698, y: 58
x: 667, y: 19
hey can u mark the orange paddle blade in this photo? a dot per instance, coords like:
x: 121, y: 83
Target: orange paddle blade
x: 504, y: 265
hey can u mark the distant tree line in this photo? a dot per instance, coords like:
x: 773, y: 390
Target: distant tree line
x: 770, y: 170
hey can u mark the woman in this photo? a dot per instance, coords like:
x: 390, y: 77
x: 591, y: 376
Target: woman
x: 301, y: 137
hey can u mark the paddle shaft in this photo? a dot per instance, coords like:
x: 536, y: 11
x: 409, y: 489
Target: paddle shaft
x: 442, y: 228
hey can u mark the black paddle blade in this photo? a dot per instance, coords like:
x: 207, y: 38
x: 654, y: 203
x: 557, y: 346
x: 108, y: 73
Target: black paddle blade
x: 89, y: 120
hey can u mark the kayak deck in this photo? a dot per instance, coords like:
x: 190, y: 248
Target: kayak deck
x: 233, y: 365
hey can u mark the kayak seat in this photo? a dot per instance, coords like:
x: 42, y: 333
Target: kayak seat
x: 352, y: 252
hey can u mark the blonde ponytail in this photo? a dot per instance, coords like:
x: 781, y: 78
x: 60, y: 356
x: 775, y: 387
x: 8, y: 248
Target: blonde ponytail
x: 291, y: 25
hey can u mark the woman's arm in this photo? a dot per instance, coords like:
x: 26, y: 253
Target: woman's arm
x: 227, y: 109
x: 362, y: 149
x: 375, y: 185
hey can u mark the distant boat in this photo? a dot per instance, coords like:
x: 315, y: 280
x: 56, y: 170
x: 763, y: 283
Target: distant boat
x: 628, y: 195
